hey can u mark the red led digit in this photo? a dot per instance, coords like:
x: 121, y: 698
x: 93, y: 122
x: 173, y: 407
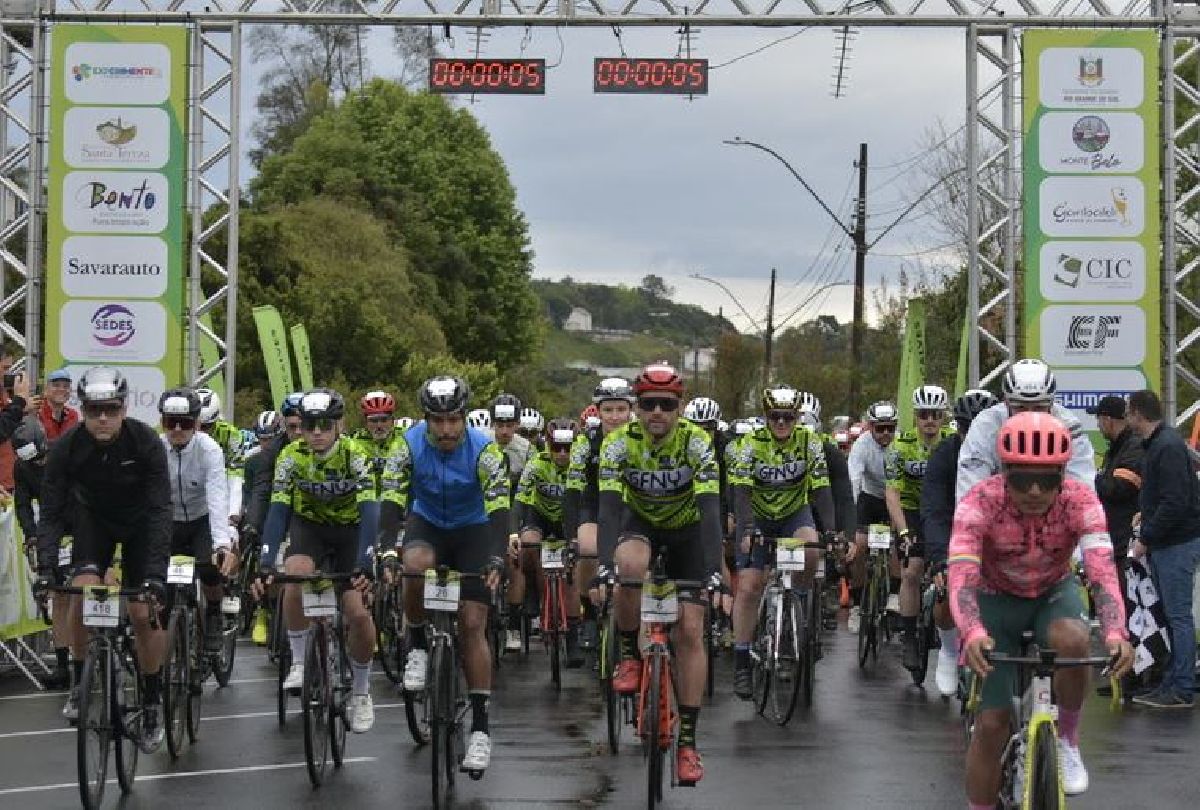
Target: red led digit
x: 658, y: 73
x: 621, y: 73
x: 535, y: 74
x: 604, y: 72
x: 696, y: 71
x: 439, y: 73
x: 641, y: 74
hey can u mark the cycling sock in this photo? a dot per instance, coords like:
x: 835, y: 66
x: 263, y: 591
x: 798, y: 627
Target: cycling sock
x: 416, y: 637
x: 949, y: 641
x: 152, y: 684
x: 62, y: 656
x: 362, y: 674
x: 76, y: 672
x: 688, y: 718
x: 741, y: 656
x: 1068, y: 725
x: 479, y: 710
x: 629, y: 644
x: 297, y: 640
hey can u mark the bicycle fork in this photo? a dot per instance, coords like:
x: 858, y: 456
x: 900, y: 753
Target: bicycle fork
x: 666, y: 716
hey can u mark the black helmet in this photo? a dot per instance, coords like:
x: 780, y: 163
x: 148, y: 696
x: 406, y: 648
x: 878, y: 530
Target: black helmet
x: 506, y: 407
x: 29, y: 439
x: 291, y: 404
x: 322, y: 403
x: 445, y: 395
x: 102, y: 383
x: 179, y: 402
x: 973, y: 403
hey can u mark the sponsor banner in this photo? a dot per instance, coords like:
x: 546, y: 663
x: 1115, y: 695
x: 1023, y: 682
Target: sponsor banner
x: 114, y: 266
x: 303, y: 355
x: 1101, y: 270
x: 115, y: 225
x: 912, y: 362
x: 146, y: 384
x: 117, y: 138
x: 272, y: 338
x: 1095, y: 143
x: 1090, y: 123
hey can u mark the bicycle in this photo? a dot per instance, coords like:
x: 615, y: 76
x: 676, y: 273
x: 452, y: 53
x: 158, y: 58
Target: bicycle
x: 785, y: 647
x: 618, y: 709
x: 327, y: 682
x: 280, y: 650
x: 927, y: 635
x: 443, y: 702
x: 389, y: 618
x: 110, y: 689
x: 657, y: 706
x: 247, y: 573
x: 557, y: 572
x: 1031, y: 776
x: 875, y: 594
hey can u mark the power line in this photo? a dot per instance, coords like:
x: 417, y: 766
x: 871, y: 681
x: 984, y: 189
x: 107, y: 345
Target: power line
x: 760, y: 49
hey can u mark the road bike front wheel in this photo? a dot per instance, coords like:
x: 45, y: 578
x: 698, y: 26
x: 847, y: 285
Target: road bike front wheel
x: 197, y: 672
x: 789, y: 660
x: 612, y: 701
x: 924, y: 630
x: 1044, y: 777
x: 652, y: 728
x: 175, y: 679
x: 315, y: 705
x: 866, y: 626
x: 127, y: 709
x: 95, y: 727
x: 763, y: 656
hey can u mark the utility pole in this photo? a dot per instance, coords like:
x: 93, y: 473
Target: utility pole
x: 860, y: 272
x: 769, y: 332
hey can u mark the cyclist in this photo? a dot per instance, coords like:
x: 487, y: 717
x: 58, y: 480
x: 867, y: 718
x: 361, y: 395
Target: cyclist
x: 706, y: 414
x: 323, y: 495
x: 937, y: 514
x: 199, y: 500
x: 531, y: 424
x: 405, y: 422
x: 109, y: 477
x: 906, y: 459
x: 868, y: 478
x: 613, y: 399
x: 844, y: 522
x: 505, y: 413
x: 658, y: 490
x: 539, y: 507
x: 378, y: 409
x: 778, y: 478
x: 480, y: 418
x: 231, y: 441
x: 589, y: 417
x: 1009, y: 569
x: 455, y: 483
x: 1029, y: 385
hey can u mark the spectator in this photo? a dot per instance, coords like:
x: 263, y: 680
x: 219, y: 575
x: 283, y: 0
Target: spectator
x: 15, y: 403
x: 1170, y: 533
x: 56, y: 416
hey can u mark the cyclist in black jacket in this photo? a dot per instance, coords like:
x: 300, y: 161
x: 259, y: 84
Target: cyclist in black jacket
x: 111, y: 472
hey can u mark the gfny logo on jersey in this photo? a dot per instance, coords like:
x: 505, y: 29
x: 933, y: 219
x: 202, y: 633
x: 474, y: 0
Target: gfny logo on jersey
x: 915, y: 469
x: 328, y: 490
x: 659, y: 482
x: 551, y: 490
x: 1090, y: 333
x: 787, y: 472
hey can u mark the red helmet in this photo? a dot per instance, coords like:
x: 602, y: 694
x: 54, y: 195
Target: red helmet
x: 658, y: 377
x: 591, y: 411
x: 1034, y: 438
x: 377, y: 403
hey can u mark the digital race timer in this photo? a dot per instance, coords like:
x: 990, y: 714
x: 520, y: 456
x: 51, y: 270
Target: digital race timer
x: 624, y: 74
x: 514, y: 76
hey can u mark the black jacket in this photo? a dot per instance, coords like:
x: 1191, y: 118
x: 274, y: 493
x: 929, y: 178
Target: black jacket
x: 1170, y: 497
x: 123, y: 484
x: 1119, y: 493
x: 937, y: 498
x: 843, y: 492
x: 258, y: 483
x: 27, y: 476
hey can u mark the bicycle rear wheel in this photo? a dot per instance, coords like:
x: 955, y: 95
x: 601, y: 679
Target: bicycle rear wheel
x: 924, y: 629
x: 175, y: 684
x: 1045, y: 780
x: 94, y: 736
x: 315, y: 705
x: 197, y: 672
x: 127, y: 709
x: 246, y: 574
x: 652, y: 729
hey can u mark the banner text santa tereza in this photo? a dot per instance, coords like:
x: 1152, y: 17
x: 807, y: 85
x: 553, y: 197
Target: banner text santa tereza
x: 114, y: 291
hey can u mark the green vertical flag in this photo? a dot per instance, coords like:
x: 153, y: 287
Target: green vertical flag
x: 210, y: 355
x: 273, y: 339
x: 912, y: 361
x: 961, y: 377
x: 303, y: 356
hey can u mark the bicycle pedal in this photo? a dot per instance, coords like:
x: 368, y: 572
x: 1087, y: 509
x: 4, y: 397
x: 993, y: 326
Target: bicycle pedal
x: 682, y: 783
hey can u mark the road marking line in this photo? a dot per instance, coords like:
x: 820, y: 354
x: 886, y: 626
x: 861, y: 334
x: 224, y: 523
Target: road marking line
x: 63, y: 695
x: 181, y: 774
x: 248, y: 715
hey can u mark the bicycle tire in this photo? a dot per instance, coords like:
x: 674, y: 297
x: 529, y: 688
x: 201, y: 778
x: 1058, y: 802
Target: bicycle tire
x: 175, y: 685
x: 315, y: 706
x: 1045, y: 778
x: 246, y: 574
x: 495, y: 627
x: 283, y: 659
x: 127, y: 704
x: 416, y: 714
x: 711, y: 636
x: 812, y: 645
x: 551, y: 633
x: 789, y: 653
x: 94, y: 733
x: 439, y: 727
x: 197, y: 672
x: 612, y: 701
x: 223, y: 668
x: 866, y: 626
x: 924, y: 628
x: 763, y: 656
x: 385, y: 637
x: 652, y: 731
x: 339, y: 669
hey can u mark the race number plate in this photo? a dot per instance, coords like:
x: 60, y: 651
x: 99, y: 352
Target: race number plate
x: 552, y: 556
x: 879, y: 537
x: 101, y: 606
x: 181, y: 570
x: 231, y: 605
x: 660, y: 602
x: 789, y: 554
x: 442, y: 597
x: 319, y: 599
x: 64, y: 551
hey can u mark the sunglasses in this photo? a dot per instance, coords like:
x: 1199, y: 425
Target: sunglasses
x: 178, y: 423
x: 95, y: 409
x: 317, y: 425
x: 884, y: 428
x: 787, y: 417
x: 1024, y: 481
x: 929, y: 414
x: 560, y: 448
x: 378, y: 420
x: 664, y: 404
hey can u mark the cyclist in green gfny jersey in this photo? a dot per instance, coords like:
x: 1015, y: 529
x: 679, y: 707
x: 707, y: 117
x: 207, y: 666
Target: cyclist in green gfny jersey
x: 659, y: 492
x: 905, y: 461
x: 779, y: 476
x: 324, y: 495
x: 380, y: 434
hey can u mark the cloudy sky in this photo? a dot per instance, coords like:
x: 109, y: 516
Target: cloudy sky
x: 618, y: 186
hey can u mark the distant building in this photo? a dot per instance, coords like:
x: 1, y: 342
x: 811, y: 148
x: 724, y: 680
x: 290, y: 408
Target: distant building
x: 700, y: 361
x: 580, y: 320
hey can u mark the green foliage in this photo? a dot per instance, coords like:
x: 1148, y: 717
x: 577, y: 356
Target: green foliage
x: 739, y: 371
x: 483, y: 378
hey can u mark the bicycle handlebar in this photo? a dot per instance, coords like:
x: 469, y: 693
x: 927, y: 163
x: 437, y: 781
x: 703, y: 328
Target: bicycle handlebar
x: 1047, y: 658
x: 293, y: 579
x: 128, y: 593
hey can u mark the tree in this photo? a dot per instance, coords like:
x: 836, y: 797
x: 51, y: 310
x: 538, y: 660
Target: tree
x: 656, y: 289
x: 430, y: 173
x: 739, y: 364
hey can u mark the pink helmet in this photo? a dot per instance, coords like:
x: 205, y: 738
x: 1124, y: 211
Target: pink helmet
x: 1034, y: 438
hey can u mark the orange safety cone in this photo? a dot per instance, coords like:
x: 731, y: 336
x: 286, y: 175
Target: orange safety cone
x: 844, y: 593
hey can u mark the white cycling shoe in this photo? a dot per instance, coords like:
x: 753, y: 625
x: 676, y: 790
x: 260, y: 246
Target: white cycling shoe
x: 946, y: 674
x: 295, y: 679
x: 479, y: 753
x: 854, y: 620
x: 362, y: 713
x: 1074, y: 773
x: 414, y: 670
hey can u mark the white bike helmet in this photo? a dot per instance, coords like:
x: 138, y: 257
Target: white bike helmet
x: 480, y: 418
x: 882, y: 411
x: 531, y: 420
x: 1029, y: 380
x: 930, y: 398
x: 405, y: 422
x: 210, y: 405
x: 810, y: 403
x: 703, y: 409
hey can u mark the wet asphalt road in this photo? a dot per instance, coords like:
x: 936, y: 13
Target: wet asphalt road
x: 870, y: 741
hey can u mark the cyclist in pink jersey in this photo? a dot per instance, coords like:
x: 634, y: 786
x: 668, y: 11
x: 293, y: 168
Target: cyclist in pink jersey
x: 1009, y: 566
